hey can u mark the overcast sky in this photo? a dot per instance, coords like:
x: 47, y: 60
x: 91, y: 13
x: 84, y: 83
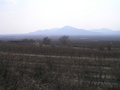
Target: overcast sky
x: 22, y: 16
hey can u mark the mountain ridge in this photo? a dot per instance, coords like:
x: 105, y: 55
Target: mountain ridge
x: 68, y: 30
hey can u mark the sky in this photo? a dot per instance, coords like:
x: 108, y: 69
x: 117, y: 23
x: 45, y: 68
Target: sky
x: 23, y: 16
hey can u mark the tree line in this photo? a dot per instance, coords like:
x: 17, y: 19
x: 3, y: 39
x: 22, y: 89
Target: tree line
x: 63, y: 40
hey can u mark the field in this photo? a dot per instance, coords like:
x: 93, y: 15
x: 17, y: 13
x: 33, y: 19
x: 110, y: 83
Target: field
x: 83, y: 65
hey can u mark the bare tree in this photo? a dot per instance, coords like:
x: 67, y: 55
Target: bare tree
x: 46, y: 41
x: 101, y: 48
x: 64, y: 40
x: 109, y: 47
x: 38, y: 43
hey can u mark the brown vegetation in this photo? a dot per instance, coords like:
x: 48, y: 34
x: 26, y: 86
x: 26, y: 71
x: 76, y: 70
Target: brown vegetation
x: 87, y: 67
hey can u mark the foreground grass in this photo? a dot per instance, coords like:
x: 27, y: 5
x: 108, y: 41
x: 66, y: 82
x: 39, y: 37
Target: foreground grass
x: 59, y: 68
x: 46, y: 72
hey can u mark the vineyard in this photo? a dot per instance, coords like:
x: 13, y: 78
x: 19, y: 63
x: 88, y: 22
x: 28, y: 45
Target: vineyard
x: 78, y: 66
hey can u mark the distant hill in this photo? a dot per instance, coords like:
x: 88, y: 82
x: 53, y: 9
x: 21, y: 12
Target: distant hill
x: 107, y: 31
x: 68, y: 30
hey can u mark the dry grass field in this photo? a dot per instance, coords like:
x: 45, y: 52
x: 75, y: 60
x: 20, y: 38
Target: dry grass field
x: 29, y: 67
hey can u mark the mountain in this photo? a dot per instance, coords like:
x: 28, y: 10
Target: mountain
x: 67, y: 30
x: 107, y: 31
x: 103, y: 30
x: 116, y: 32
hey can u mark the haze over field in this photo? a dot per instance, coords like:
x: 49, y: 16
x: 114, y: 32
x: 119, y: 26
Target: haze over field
x: 24, y: 16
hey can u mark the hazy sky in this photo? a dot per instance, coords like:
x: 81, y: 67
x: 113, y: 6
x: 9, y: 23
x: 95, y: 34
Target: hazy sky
x: 22, y: 16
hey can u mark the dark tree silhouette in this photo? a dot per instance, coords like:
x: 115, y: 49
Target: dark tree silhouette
x: 46, y: 41
x: 64, y: 40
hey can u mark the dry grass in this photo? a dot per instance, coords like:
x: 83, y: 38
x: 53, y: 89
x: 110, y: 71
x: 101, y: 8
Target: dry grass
x: 66, y: 70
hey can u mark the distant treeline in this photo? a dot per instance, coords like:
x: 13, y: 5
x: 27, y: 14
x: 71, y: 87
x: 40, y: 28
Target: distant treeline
x: 22, y: 41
